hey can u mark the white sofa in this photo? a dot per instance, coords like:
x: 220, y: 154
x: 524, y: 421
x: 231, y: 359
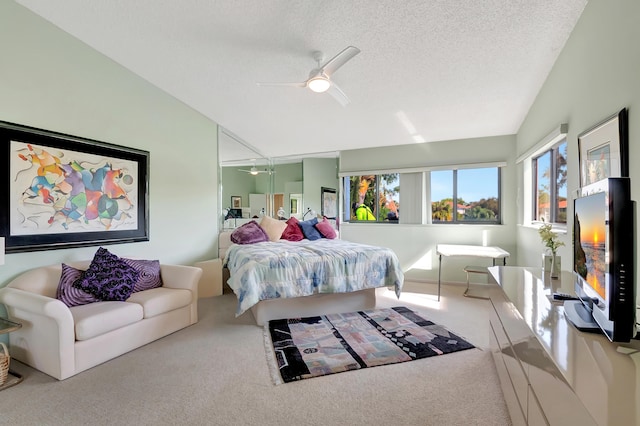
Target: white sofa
x: 62, y: 341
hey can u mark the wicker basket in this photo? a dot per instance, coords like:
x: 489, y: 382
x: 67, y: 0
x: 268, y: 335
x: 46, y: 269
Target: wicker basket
x: 4, y: 363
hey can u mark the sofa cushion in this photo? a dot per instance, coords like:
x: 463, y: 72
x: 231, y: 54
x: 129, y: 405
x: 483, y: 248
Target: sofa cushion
x: 102, y: 317
x: 108, y: 277
x: 67, y: 293
x: 160, y: 300
x: 148, y: 274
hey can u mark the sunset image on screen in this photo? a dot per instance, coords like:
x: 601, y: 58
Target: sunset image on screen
x: 590, y: 211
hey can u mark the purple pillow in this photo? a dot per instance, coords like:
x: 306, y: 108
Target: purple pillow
x: 292, y: 232
x: 326, y: 229
x: 67, y: 293
x: 249, y: 233
x: 108, y: 277
x: 309, y: 229
x: 149, y: 274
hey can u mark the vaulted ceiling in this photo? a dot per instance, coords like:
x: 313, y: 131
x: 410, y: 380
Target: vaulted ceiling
x: 428, y: 70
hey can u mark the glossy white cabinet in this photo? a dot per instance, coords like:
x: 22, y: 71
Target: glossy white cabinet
x: 556, y: 374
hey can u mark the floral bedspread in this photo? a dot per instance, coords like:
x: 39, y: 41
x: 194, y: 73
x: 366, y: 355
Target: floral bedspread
x: 280, y: 269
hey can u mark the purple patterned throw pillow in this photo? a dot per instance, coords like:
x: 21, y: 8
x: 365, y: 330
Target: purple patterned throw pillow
x: 249, y: 233
x: 149, y: 274
x: 67, y: 293
x: 108, y: 277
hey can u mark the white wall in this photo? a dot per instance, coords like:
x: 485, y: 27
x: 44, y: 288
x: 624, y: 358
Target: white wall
x: 52, y: 81
x: 415, y: 244
x: 595, y: 76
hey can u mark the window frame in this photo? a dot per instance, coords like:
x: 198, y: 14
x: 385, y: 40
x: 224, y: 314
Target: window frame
x: 553, y: 151
x: 376, y: 192
x: 455, y: 220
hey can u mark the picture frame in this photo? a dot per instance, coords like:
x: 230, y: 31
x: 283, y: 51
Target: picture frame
x: 603, y: 149
x: 329, y: 202
x: 61, y: 191
x: 236, y: 202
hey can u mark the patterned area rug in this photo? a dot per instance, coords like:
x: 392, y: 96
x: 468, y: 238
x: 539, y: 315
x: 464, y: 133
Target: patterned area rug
x: 302, y: 348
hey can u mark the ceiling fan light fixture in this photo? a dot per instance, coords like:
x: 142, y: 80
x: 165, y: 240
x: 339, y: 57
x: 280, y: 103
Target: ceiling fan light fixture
x: 319, y: 84
x: 254, y: 171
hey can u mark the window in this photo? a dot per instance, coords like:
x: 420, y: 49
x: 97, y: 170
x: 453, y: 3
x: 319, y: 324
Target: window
x: 550, y: 185
x: 466, y: 195
x: 374, y: 198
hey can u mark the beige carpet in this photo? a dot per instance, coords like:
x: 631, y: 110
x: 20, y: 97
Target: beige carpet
x: 215, y: 373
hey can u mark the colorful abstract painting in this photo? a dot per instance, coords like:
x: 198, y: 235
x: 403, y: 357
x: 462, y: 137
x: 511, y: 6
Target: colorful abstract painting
x: 62, y: 191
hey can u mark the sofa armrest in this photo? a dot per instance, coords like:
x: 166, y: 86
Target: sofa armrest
x: 47, y: 336
x: 183, y: 277
x: 180, y: 276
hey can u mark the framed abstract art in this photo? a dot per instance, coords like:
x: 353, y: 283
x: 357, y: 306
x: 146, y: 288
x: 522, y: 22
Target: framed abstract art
x: 61, y: 191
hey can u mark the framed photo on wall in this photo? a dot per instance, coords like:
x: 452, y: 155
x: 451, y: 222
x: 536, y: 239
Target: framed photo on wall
x: 236, y: 202
x: 62, y: 191
x: 603, y: 149
x: 329, y: 202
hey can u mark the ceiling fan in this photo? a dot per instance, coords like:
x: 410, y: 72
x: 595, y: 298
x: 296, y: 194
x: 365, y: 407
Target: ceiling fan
x: 255, y: 171
x: 319, y: 79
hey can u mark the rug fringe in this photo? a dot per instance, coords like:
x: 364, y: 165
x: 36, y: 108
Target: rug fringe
x: 271, y: 357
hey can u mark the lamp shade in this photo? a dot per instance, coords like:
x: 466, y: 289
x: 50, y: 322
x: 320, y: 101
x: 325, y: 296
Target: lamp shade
x: 319, y: 84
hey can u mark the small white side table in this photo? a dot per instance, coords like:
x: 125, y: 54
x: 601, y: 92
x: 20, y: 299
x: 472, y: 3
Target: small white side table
x: 450, y: 250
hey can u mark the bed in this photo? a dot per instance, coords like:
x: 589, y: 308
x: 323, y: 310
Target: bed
x: 285, y: 279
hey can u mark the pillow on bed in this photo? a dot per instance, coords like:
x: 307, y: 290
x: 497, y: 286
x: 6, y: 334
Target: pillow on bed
x: 309, y: 229
x: 293, y: 231
x: 326, y: 229
x: 273, y: 228
x: 249, y: 233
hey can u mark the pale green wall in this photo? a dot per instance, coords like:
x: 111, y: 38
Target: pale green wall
x: 237, y: 183
x: 52, y: 81
x: 596, y: 75
x: 318, y: 173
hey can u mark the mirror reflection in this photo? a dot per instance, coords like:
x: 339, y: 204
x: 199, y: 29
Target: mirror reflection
x: 253, y: 185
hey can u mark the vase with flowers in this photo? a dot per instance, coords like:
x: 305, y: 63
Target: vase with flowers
x: 551, y: 241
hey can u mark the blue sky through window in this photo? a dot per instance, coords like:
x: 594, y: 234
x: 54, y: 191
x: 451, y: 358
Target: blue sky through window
x: 473, y: 184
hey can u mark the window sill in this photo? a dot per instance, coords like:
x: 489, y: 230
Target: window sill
x: 556, y: 227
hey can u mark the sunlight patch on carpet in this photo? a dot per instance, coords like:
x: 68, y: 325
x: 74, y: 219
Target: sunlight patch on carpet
x: 303, y: 348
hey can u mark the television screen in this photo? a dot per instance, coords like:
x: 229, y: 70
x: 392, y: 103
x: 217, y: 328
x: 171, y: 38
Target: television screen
x: 603, y: 256
x: 590, y: 248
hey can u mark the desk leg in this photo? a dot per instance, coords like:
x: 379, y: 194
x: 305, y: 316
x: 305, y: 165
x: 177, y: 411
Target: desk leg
x: 439, y: 275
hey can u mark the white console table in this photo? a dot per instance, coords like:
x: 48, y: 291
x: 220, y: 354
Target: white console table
x: 551, y: 373
x: 450, y: 250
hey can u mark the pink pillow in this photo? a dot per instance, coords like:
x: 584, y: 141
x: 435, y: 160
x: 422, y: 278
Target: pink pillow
x: 249, y: 233
x: 293, y: 231
x: 326, y: 229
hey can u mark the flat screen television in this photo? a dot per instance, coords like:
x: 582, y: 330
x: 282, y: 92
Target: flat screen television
x: 603, y: 258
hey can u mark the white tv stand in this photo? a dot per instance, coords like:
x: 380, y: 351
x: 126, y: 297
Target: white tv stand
x: 550, y: 372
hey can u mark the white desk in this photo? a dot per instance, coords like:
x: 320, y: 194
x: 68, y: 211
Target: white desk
x: 450, y: 250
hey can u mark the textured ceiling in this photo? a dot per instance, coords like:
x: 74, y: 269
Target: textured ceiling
x: 428, y: 70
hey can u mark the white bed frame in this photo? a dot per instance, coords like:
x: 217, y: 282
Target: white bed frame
x: 307, y: 306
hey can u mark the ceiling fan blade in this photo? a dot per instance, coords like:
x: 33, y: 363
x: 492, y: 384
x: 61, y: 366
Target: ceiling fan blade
x: 339, y: 60
x: 303, y: 84
x: 338, y: 95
